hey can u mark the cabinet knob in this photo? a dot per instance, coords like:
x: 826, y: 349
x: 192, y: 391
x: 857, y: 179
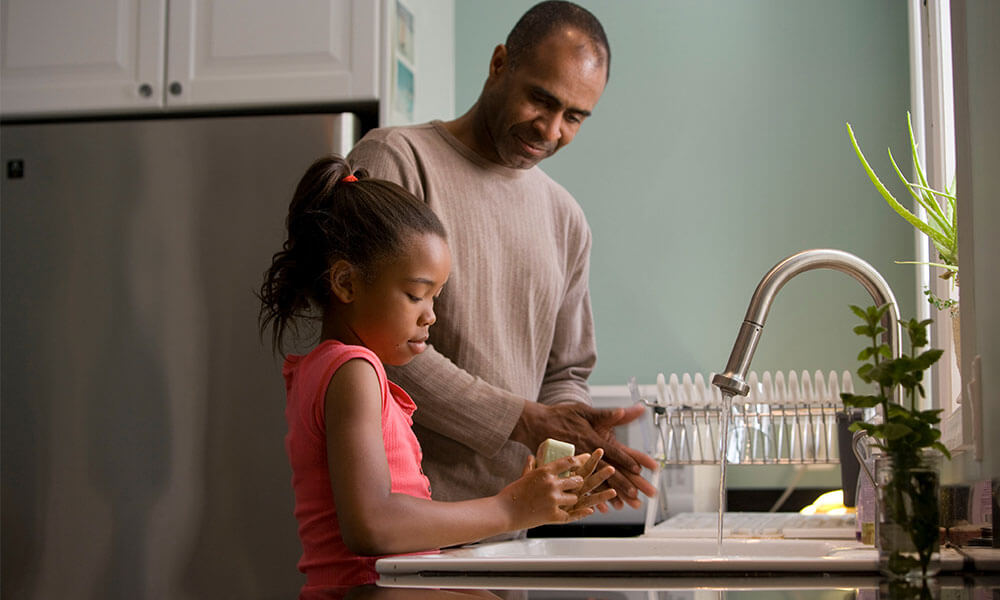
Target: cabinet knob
x: 175, y: 88
x: 145, y: 90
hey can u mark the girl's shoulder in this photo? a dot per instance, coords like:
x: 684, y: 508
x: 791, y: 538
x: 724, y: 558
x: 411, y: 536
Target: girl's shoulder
x: 328, y: 349
x: 326, y: 358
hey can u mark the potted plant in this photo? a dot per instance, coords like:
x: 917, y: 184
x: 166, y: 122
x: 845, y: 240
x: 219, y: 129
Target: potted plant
x: 907, y: 471
x: 940, y: 223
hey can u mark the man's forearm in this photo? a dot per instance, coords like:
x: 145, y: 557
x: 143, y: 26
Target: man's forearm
x: 456, y: 404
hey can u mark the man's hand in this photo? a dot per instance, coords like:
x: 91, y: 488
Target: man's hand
x: 588, y: 429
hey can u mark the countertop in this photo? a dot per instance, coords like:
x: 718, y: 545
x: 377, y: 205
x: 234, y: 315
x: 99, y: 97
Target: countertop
x: 975, y: 578
x: 808, y: 587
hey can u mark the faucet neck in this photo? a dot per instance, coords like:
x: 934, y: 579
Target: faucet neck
x: 733, y: 381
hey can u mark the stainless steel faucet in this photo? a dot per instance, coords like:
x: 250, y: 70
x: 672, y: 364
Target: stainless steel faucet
x: 733, y: 381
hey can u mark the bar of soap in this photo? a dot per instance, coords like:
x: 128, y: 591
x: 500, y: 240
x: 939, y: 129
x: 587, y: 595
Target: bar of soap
x: 551, y: 450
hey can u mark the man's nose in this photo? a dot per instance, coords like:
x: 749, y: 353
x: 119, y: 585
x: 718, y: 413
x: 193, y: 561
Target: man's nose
x: 549, y: 126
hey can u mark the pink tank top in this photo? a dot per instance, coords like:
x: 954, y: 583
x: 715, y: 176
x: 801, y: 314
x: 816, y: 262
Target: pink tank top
x: 326, y: 560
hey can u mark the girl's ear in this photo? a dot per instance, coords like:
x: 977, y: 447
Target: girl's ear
x: 343, y: 281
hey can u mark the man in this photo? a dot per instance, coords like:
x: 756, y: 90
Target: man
x: 514, y: 340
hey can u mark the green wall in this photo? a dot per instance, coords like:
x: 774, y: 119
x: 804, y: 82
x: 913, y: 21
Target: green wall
x: 719, y: 148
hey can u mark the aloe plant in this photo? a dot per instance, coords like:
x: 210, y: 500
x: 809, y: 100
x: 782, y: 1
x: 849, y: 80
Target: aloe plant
x: 941, y: 223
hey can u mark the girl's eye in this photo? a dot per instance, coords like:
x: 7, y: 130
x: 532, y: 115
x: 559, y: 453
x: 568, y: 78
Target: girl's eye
x: 413, y: 298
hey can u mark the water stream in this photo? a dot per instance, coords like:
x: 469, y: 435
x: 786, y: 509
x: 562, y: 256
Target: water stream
x: 724, y: 416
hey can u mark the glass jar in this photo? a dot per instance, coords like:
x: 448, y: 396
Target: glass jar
x: 907, y: 530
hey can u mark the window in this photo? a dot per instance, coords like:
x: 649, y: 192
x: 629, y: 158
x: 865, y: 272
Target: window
x: 933, y: 116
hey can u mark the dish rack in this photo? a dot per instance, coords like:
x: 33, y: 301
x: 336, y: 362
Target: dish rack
x: 785, y: 419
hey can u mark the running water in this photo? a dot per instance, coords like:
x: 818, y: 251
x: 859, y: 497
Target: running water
x: 724, y: 416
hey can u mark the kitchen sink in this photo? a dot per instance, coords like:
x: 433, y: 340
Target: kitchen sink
x: 646, y: 555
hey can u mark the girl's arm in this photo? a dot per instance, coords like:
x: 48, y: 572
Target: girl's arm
x: 375, y: 521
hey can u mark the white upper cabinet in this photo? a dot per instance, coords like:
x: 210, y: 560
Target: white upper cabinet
x: 139, y: 55
x: 60, y: 57
x: 240, y: 53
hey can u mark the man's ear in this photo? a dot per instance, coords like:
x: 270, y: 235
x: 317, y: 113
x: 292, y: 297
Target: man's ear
x: 344, y: 281
x: 498, y: 62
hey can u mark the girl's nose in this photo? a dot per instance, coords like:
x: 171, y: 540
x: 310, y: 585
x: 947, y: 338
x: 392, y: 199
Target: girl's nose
x: 428, y: 317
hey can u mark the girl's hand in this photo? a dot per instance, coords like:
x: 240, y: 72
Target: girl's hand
x: 587, y: 498
x: 541, y: 496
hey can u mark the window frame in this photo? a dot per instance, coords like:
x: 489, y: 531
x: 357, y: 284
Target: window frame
x: 933, y: 118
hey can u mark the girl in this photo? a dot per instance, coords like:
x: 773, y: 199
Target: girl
x: 370, y: 258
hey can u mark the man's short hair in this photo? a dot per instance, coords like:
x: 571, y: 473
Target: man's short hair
x: 546, y: 17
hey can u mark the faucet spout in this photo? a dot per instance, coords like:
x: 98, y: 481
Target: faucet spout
x: 733, y: 380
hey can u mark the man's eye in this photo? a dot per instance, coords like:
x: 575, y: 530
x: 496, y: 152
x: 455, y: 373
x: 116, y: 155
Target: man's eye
x: 545, y: 101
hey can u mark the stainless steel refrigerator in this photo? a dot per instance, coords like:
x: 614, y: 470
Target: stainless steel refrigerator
x: 142, y: 417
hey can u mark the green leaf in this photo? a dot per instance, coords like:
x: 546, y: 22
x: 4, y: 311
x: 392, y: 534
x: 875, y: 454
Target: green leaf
x: 882, y: 373
x: 937, y: 221
x: 895, y: 431
x: 861, y: 400
x: 917, y: 331
x: 933, y: 413
x: 869, y: 428
x: 942, y: 449
x: 876, y: 312
x: 945, y: 194
x: 950, y: 268
x: 938, y: 237
x: 857, y: 309
x: 928, y: 358
x: 897, y: 412
x: 913, y: 148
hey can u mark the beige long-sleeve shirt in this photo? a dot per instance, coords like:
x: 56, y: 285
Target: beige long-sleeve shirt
x: 514, y: 320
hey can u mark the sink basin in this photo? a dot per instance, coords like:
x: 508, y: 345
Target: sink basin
x: 642, y: 555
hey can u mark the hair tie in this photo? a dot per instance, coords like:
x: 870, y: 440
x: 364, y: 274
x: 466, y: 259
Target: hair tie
x: 349, y: 179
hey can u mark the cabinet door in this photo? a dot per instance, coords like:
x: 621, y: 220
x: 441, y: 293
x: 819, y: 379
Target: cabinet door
x: 63, y: 57
x: 261, y: 52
